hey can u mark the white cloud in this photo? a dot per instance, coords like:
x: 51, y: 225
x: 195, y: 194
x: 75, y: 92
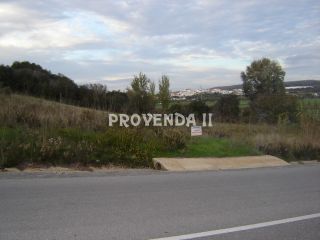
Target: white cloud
x: 33, y: 31
x: 205, y: 42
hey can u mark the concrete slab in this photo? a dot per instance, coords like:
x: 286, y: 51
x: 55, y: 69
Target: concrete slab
x: 194, y: 164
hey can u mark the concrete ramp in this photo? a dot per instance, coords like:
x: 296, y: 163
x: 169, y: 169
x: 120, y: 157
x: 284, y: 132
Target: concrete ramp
x: 194, y: 164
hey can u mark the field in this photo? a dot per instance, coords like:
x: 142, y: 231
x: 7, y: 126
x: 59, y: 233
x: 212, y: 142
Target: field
x: 243, y: 102
x: 40, y: 132
x: 312, y: 103
x: 311, y: 100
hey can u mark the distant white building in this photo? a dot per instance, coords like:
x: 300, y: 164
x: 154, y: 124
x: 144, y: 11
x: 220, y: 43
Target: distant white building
x: 182, y: 94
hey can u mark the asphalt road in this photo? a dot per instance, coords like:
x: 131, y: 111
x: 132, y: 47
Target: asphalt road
x: 149, y: 204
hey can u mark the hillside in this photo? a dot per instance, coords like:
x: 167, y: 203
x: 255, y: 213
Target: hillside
x: 31, y: 79
x: 37, y: 112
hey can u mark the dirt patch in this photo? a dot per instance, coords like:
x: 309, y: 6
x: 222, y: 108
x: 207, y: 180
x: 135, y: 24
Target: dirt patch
x: 62, y: 169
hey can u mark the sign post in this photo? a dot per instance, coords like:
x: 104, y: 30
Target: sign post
x: 196, y: 131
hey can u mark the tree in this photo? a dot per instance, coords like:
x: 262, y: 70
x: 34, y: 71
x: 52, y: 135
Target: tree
x: 98, y: 95
x: 263, y: 77
x: 198, y: 107
x: 30, y: 78
x: 117, y: 101
x: 152, y: 95
x: 141, y: 95
x: 179, y: 108
x: 227, y: 108
x: 164, y: 92
x: 6, y: 75
x: 272, y: 108
x: 263, y: 84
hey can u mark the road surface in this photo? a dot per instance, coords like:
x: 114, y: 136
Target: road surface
x: 267, y: 203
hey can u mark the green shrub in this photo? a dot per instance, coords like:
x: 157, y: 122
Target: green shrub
x: 127, y: 146
x: 16, y: 146
x: 198, y: 107
x: 174, y: 138
x: 292, y: 152
x: 179, y: 108
x: 269, y: 108
x: 227, y: 108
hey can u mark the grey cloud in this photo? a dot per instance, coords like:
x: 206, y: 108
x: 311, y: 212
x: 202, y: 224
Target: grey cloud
x: 160, y: 36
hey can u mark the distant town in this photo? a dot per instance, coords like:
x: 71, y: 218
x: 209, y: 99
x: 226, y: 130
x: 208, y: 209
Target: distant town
x: 182, y: 94
x: 310, y: 87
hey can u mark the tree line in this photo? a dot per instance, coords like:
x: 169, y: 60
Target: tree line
x: 31, y: 79
x: 263, y: 85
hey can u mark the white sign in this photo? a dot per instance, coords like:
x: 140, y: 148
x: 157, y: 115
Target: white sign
x: 196, y: 131
x: 158, y: 120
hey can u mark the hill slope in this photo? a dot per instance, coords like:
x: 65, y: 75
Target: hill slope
x: 36, y: 112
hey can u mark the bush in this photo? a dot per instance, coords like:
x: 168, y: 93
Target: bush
x: 179, y: 108
x: 227, y: 108
x: 248, y: 115
x: 270, y: 108
x: 174, y: 138
x: 5, y: 90
x: 287, y: 147
x: 198, y: 107
x: 292, y: 152
x: 15, y: 147
x: 128, y: 147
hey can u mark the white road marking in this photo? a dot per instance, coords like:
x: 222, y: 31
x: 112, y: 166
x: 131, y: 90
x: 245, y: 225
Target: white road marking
x: 239, y: 228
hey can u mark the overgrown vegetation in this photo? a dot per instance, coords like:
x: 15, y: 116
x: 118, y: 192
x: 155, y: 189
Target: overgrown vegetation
x: 42, y: 132
x: 38, y: 131
x: 290, y: 142
x: 74, y: 146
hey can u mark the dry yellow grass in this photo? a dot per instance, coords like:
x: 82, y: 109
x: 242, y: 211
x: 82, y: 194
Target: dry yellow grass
x: 301, y: 141
x: 35, y: 112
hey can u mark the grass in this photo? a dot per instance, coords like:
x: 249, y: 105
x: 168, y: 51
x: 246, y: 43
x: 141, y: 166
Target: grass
x: 311, y: 106
x: 51, y: 147
x: 20, y: 110
x: 306, y: 102
x: 311, y: 100
x: 243, y: 102
x: 292, y: 142
x: 212, y: 147
x: 34, y: 130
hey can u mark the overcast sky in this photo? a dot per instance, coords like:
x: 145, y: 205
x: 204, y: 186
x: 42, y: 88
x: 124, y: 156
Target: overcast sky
x: 200, y: 43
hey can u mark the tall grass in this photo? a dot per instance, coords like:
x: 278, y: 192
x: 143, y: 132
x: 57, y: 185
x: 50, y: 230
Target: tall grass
x: 42, y: 132
x: 18, y: 110
x: 300, y: 141
x: 38, y: 131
